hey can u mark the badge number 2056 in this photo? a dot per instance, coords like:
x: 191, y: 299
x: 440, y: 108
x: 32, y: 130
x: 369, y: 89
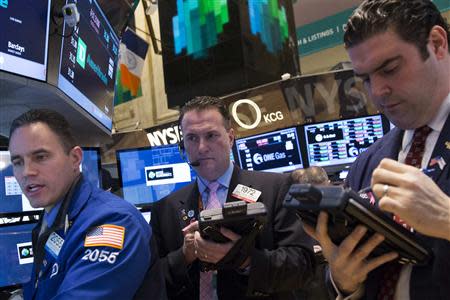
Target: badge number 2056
x: 100, y: 256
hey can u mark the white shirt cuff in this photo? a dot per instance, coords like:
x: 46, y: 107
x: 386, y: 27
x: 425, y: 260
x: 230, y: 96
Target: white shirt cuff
x: 353, y: 296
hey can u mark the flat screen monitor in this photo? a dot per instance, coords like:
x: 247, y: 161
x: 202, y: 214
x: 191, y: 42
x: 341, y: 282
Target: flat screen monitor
x: 149, y: 174
x: 275, y: 151
x: 16, y: 254
x: 12, y: 200
x: 218, y: 47
x: 24, y: 27
x: 91, y: 165
x: 337, y: 143
x: 88, y: 62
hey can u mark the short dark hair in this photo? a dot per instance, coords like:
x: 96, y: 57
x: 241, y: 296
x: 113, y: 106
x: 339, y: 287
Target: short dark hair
x: 206, y: 102
x: 412, y: 20
x: 54, y: 120
x: 311, y: 175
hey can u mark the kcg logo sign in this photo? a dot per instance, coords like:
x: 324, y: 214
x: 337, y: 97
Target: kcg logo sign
x: 267, y: 117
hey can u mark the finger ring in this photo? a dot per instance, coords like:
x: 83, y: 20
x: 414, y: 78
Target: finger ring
x: 385, y: 190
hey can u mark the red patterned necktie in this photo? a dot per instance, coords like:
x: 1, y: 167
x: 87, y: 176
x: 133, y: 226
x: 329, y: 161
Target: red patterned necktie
x: 415, y: 154
x: 413, y: 158
x: 206, y: 278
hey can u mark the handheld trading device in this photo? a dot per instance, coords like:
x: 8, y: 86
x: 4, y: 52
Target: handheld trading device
x: 245, y: 219
x: 347, y: 209
x: 238, y: 216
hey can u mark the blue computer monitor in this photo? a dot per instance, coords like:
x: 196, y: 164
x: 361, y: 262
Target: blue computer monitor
x: 12, y: 200
x: 16, y: 254
x: 91, y: 165
x: 338, y: 143
x: 149, y: 174
x: 275, y: 151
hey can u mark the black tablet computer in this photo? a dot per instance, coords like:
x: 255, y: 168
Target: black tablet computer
x: 347, y: 209
x: 238, y: 216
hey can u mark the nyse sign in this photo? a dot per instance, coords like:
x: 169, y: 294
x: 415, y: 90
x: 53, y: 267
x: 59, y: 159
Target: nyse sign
x: 164, y: 135
x: 328, y: 96
x: 268, y: 118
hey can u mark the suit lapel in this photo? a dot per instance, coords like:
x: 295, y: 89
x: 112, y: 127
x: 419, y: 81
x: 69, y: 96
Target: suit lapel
x: 391, y: 147
x: 236, y: 179
x: 441, y: 151
x: 188, y: 206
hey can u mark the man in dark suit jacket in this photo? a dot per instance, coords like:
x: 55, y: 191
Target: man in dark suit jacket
x: 401, y: 51
x: 427, y: 282
x: 280, y: 260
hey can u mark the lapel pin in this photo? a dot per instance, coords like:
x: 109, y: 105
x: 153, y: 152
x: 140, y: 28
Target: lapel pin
x: 183, y: 214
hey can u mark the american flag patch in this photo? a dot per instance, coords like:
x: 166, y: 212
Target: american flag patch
x: 105, y: 235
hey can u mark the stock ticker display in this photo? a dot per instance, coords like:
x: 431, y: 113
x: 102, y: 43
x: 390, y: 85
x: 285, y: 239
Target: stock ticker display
x: 88, y: 62
x: 24, y: 37
x: 276, y: 151
x: 340, y: 142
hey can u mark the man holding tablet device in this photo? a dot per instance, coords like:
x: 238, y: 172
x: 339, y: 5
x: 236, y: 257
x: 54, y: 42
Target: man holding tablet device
x: 278, y: 263
x: 401, y: 51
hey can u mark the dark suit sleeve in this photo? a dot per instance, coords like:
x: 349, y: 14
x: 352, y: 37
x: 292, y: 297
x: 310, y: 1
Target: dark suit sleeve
x: 154, y: 285
x: 171, y: 262
x: 286, y: 264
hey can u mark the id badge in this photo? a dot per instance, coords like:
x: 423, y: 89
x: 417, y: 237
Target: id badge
x: 54, y: 244
x: 246, y: 193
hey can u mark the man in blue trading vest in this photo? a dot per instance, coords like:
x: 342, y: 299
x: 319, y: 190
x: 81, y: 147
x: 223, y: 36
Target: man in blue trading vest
x: 89, y: 243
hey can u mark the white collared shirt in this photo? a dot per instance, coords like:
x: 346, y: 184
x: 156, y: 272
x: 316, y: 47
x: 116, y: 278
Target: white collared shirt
x: 224, y: 181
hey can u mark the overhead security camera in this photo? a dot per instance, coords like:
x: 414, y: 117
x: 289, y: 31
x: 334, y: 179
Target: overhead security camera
x: 71, y: 14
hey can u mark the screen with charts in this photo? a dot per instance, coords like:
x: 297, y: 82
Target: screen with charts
x: 12, y: 200
x: 340, y: 142
x: 16, y: 254
x: 275, y: 151
x: 88, y: 62
x: 149, y: 174
x: 24, y: 26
